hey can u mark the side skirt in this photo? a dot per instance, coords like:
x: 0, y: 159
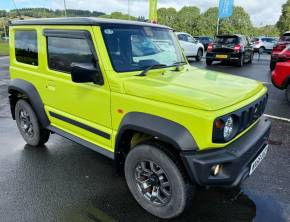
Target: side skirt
x: 81, y: 142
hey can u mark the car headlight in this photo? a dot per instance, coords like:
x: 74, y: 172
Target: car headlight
x: 228, y: 128
x: 225, y: 128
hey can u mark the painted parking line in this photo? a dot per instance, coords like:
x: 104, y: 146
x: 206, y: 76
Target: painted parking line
x: 277, y: 118
x: 266, y: 83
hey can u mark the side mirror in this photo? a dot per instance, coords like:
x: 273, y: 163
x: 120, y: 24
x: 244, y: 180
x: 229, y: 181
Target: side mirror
x: 86, y: 72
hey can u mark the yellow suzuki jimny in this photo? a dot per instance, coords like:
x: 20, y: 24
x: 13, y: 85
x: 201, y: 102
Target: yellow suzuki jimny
x: 126, y: 90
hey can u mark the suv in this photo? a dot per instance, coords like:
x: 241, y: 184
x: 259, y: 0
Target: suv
x: 191, y: 47
x: 125, y: 90
x: 283, y: 42
x: 232, y: 48
x: 262, y: 44
x: 281, y: 74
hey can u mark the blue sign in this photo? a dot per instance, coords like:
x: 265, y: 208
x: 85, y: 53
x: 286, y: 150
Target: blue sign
x: 226, y: 8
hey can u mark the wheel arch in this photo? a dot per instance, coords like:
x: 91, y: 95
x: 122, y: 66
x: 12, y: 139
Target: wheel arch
x: 161, y: 129
x: 19, y: 88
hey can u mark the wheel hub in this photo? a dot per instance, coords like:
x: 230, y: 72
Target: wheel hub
x: 25, y: 123
x: 152, y: 183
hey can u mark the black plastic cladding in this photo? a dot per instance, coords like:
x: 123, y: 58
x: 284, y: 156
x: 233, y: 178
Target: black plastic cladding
x: 243, y: 117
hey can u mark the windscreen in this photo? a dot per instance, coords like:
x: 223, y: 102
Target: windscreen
x: 133, y: 48
x: 285, y: 38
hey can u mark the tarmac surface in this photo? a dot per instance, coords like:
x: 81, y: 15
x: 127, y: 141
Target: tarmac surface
x: 64, y: 181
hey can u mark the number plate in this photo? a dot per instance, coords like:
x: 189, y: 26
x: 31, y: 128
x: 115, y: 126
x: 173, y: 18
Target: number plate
x: 258, y: 160
x: 221, y: 56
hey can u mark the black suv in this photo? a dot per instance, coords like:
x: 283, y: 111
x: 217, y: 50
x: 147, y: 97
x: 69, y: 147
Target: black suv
x: 232, y: 48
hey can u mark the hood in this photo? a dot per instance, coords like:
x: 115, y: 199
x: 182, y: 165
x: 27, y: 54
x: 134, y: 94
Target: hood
x: 194, y: 88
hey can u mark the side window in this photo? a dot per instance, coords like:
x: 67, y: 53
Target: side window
x: 182, y: 37
x: 63, y: 51
x: 190, y: 39
x: 26, y: 47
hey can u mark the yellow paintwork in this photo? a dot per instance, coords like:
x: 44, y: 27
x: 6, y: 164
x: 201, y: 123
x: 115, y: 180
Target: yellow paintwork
x: 192, y: 97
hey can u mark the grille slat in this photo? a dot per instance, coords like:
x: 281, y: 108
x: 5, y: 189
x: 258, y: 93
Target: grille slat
x: 248, y: 115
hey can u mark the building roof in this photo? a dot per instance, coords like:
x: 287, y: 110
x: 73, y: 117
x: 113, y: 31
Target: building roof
x: 82, y: 21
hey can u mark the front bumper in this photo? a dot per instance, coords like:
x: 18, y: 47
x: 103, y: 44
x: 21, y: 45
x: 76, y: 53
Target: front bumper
x: 236, y: 158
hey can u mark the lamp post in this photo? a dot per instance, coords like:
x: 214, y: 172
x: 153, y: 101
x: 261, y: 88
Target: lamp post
x: 64, y: 4
x: 129, y: 10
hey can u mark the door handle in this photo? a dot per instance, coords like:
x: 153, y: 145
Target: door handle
x: 50, y: 85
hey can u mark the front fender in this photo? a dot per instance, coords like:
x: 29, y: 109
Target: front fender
x: 166, y: 130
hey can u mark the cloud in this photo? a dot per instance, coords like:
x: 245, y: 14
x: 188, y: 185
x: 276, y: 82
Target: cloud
x: 262, y: 12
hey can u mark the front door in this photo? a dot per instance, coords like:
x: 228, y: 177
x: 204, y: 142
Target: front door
x: 82, y: 109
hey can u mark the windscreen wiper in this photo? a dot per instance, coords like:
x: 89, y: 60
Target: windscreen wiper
x: 177, y: 65
x: 156, y: 66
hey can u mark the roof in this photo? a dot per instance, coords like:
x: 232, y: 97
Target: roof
x: 234, y: 35
x: 82, y: 21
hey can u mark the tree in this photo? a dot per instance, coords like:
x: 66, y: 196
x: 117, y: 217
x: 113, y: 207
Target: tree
x: 119, y: 15
x: 167, y: 16
x: 284, y: 21
x: 238, y: 23
x: 187, y: 20
x: 268, y: 30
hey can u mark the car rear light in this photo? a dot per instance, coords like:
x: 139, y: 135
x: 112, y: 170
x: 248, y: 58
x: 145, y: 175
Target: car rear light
x: 279, y: 47
x: 257, y: 42
x: 284, y: 55
x: 210, y: 47
x: 237, y: 48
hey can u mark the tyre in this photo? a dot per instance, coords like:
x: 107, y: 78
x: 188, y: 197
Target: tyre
x: 261, y: 50
x: 272, y: 65
x: 208, y: 62
x: 288, y: 93
x: 199, y: 55
x: 31, y: 130
x: 241, y: 61
x: 156, y: 182
x: 251, y: 58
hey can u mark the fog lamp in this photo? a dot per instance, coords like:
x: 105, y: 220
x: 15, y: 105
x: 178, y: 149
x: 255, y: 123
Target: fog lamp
x: 215, y: 170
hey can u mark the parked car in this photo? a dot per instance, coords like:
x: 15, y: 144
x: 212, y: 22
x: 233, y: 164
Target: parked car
x: 205, y: 40
x: 232, y: 48
x: 126, y: 90
x: 281, y: 73
x: 264, y: 44
x: 283, y: 42
x: 5, y: 38
x: 190, y: 46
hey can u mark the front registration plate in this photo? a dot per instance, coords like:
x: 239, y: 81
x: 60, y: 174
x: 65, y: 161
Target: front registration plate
x: 221, y: 56
x: 258, y: 160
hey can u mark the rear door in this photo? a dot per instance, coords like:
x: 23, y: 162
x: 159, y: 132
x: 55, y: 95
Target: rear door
x: 185, y: 44
x: 247, y: 47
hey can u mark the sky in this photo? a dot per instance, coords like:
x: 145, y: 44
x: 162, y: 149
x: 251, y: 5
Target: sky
x: 262, y: 12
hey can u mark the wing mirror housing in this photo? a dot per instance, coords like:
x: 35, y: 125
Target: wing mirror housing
x: 86, y: 73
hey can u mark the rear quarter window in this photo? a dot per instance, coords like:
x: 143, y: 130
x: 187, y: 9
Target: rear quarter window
x: 26, y: 50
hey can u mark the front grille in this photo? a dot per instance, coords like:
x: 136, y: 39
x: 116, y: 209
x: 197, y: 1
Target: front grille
x: 249, y: 114
x: 243, y: 119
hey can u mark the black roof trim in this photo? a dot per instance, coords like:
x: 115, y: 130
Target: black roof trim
x: 82, y: 21
x: 230, y: 36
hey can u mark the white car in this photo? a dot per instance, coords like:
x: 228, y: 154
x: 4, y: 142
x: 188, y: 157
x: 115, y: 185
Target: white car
x: 262, y: 44
x: 190, y: 46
